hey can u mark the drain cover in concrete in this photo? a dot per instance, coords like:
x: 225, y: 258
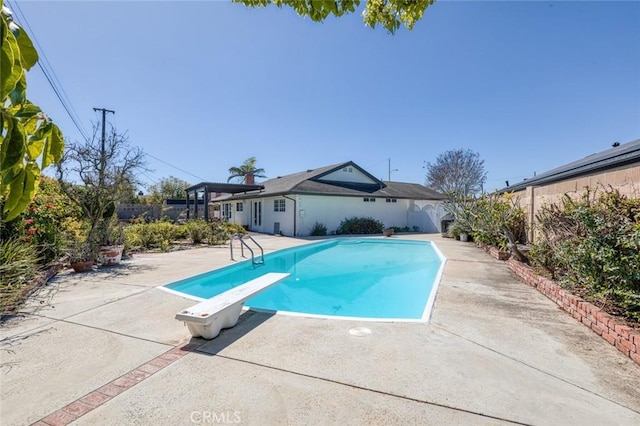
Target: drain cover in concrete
x: 359, y: 331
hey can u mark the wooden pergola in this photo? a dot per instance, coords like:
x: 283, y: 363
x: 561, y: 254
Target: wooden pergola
x: 209, y: 187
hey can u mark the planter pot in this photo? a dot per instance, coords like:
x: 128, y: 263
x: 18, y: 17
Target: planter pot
x: 111, y: 255
x: 387, y: 232
x: 82, y: 266
x: 464, y: 237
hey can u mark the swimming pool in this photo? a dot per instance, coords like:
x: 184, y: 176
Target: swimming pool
x: 366, y: 278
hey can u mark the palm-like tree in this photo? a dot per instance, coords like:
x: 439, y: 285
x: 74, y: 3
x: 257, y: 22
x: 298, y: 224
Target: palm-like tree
x: 247, y: 168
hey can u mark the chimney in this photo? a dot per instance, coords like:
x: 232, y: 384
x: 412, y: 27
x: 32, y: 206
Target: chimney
x: 249, y: 179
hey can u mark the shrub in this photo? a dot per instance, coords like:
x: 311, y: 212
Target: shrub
x: 18, y: 267
x: 197, y: 230
x: 592, y: 245
x: 318, y: 230
x: 360, y: 225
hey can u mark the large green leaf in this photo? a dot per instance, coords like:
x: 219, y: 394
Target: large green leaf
x: 28, y: 53
x: 53, y: 147
x: 13, y: 146
x: 10, y: 63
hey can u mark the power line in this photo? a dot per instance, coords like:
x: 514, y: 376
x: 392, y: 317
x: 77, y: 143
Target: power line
x: 50, y: 75
x: 175, y: 167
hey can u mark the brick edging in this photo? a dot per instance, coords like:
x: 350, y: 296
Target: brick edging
x: 623, y: 337
x: 78, y: 408
x: 494, y: 251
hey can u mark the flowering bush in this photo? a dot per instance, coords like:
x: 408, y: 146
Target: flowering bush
x: 49, y: 223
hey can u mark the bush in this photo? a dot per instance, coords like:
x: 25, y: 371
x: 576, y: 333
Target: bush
x: 592, y: 245
x: 197, y: 230
x: 360, y: 225
x: 18, y: 267
x: 318, y: 230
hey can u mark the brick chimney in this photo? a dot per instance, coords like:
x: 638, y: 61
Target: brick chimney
x: 249, y: 179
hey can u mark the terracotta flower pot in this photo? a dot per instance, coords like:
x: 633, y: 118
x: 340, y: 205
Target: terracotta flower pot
x: 82, y: 266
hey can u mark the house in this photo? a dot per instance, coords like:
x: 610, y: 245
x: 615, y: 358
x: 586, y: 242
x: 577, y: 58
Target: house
x: 292, y: 204
x: 617, y: 167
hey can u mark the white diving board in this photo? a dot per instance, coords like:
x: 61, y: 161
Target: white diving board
x: 207, y: 318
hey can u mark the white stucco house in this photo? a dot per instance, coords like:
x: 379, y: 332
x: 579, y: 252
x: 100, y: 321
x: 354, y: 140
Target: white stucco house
x: 292, y: 204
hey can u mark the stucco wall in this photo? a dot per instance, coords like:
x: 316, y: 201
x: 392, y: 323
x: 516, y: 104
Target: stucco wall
x: 626, y: 179
x: 330, y: 211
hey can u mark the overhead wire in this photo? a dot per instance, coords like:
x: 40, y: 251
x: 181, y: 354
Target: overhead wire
x: 49, y: 73
x: 56, y: 86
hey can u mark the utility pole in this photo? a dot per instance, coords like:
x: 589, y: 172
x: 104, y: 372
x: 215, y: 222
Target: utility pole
x: 103, y: 158
x: 394, y: 170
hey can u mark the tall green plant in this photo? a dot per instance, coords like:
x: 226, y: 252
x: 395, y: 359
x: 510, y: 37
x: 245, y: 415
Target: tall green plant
x: 593, y: 243
x: 29, y: 140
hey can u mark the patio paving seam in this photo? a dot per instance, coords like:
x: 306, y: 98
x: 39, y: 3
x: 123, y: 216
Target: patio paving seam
x: 92, y: 400
x: 354, y: 386
x: 536, y: 368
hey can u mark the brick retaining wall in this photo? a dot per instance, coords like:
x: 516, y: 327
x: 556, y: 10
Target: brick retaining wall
x: 623, y: 337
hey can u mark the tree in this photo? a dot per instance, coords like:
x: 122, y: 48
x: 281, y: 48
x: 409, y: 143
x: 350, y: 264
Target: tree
x: 29, y: 141
x: 246, y: 169
x: 96, y: 174
x: 170, y: 187
x: 388, y: 13
x: 457, y: 172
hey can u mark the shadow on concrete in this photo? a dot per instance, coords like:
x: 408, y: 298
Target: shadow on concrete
x: 248, y: 321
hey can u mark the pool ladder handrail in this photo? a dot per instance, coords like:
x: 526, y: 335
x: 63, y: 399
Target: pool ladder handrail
x: 243, y: 244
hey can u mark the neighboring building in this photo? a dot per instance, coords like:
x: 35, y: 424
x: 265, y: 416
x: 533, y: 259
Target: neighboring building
x: 292, y: 204
x: 618, y: 167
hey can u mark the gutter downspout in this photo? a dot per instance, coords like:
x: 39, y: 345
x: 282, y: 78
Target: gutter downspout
x: 295, y: 213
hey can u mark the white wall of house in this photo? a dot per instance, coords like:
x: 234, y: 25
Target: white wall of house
x: 332, y: 210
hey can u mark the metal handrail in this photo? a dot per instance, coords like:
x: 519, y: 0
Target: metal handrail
x: 243, y: 244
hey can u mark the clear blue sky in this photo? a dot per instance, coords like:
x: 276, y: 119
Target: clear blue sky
x: 205, y: 85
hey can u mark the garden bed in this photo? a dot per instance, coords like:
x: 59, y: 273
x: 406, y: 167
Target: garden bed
x: 614, y: 330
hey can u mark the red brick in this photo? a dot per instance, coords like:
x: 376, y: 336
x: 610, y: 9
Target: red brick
x: 124, y: 382
x: 622, y: 348
x: 59, y: 418
x: 636, y: 339
x: 95, y: 398
x: 635, y: 357
x: 111, y: 390
x: 170, y: 356
x: 160, y: 362
x: 40, y: 423
x: 627, y: 345
x: 611, y: 338
x: 78, y: 408
x: 149, y: 368
x: 623, y: 330
x: 137, y: 375
x: 577, y: 316
x: 587, y: 322
x: 597, y: 329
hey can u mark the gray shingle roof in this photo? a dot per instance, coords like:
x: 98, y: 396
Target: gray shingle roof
x: 307, y: 183
x: 628, y: 153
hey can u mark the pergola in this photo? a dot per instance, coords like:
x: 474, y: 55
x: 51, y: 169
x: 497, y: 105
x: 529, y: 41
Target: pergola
x: 208, y: 188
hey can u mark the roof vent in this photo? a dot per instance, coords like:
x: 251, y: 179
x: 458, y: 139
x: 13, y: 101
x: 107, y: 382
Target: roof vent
x: 615, y: 144
x: 309, y: 170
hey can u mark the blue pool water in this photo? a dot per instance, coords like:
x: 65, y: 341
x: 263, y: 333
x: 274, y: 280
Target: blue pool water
x: 364, y: 278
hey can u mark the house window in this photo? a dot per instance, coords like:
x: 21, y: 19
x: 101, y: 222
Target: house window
x: 278, y: 205
x: 348, y: 169
x: 369, y: 200
x: 391, y: 200
x: 239, y: 207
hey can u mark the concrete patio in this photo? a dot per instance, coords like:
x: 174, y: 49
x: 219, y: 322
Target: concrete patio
x: 102, y: 345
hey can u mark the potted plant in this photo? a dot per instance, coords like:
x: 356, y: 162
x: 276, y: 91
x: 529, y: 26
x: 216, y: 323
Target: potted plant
x: 81, y: 256
x: 111, y: 237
